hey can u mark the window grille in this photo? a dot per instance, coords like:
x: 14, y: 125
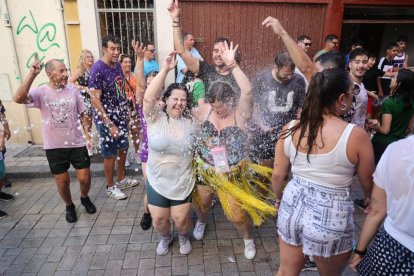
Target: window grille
x: 127, y: 19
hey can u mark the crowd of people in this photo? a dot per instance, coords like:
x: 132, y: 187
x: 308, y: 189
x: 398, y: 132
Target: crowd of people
x: 290, y: 142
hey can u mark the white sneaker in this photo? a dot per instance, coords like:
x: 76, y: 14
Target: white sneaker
x: 126, y: 183
x: 115, y: 193
x: 249, y: 249
x: 199, y: 228
x: 185, y: 245
x: 164, y: 244
x: 127, y: 164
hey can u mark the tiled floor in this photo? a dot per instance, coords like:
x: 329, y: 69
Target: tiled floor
x: 36, y: 240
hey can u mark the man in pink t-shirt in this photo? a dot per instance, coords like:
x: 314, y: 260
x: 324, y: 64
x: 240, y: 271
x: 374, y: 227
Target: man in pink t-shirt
x: 61, y: 107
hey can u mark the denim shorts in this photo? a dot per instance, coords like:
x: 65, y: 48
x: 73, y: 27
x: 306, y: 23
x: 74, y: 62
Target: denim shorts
x: 318, y: 218
x: 109, y: 146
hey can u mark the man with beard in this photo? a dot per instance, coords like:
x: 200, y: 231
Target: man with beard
x: 358, y: 64
x: 278, y: 96
x: 61, y: 106
x: 211, y: 74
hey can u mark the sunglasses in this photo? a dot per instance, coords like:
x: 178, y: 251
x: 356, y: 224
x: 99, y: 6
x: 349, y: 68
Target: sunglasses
x: 151, y: 50
x: 307, y: 44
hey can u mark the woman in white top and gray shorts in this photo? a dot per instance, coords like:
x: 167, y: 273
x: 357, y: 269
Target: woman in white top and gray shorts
x: 316, y: 211
x: 170, y: 180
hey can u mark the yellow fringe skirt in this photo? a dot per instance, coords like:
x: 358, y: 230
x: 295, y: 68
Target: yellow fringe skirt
x: 241, y: 183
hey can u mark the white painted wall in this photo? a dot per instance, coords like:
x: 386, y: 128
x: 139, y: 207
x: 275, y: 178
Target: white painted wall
x: 37, y: 27
x: 89, y: 27
x: 163, y: 34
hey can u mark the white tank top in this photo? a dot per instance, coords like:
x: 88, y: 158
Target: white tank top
x: 332, y: 169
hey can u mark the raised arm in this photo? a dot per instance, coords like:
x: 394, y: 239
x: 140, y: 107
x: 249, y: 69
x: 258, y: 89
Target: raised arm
x: 299, y: 57
x: 154, y: 90
x: 245, y: 108
x: 193, y: 64
x: 21, y: 96
x: 139, y: 50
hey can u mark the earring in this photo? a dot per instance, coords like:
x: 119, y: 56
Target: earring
x: 342, y: 107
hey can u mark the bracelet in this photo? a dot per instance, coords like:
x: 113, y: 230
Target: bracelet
x: 361, y: 253
x: 176, y: 22
x: 176, y: 25
x: 278, y: 201
x: 232, y: 66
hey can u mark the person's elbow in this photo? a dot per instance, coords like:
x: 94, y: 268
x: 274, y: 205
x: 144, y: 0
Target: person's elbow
x: 17, y: 98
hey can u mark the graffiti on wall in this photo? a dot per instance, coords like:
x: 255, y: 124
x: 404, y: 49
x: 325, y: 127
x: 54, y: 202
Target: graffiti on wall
x: 44, y: 37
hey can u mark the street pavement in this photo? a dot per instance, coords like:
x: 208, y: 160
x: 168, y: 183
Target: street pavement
x: 35, y: 238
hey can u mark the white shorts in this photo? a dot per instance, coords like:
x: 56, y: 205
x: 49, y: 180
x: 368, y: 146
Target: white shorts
x: 318, y: 218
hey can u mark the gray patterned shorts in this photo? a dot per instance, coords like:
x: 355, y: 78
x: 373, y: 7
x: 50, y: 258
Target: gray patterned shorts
x: 318, y: 218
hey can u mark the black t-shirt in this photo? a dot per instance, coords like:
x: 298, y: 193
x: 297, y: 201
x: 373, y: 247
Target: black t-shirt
x: 277, y: 103
x: 370, y: 78
x: 210, y: 76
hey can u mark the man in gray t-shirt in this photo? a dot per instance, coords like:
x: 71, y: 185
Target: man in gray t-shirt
x: 278, y: 96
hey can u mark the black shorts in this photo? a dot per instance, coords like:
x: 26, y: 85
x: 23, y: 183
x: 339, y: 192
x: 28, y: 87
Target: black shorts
x: 262, y: 146
x: 158, y: 200
x: 60, y: 159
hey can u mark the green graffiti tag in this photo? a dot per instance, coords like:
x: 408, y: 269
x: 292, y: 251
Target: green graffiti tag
x: 50, y: 36
x: 20, y: 27
x: 45, y: 36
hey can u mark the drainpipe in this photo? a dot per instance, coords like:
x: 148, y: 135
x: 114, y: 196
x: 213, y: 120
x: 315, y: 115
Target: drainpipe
x: 59, y: 4
x: 16, y: 67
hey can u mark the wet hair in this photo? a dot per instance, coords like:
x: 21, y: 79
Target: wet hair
x: 151, y: 74
x: 330, y: 37
x: 301, y: 38
x: 332, y: 59
x: 402, y: 38
x: 124, y: 56
x: 358, y: 52
x: 109, y: 38
x: 392, y: 45
x: 222, y: 40
x: 168, y: 92
x: 324, y: 90
x: 220, y: 92
x: 51, y: 64
x: 405, y: 88
x: 284, y: 60
x: 81, y: 61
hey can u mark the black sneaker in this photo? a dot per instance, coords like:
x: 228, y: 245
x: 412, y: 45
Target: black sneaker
x: 3, y: 214
x: 71, y: 214
x: 310, y: 266
x: 6, y: 197
x: 360, y: 203
x: 7, y: 183
x: 146, y: 221
x: 87, y: 203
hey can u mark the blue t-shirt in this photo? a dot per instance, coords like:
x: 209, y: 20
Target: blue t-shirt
x: 111, y: 82
x: 150, y: 66
x: 181, y: 64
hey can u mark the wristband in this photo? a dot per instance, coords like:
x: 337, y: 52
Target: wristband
x: 361, y: 253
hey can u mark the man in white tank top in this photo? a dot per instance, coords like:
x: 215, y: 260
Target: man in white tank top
x: 401, y: 59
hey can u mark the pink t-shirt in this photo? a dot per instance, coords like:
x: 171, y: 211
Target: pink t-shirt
x: 60, y: 110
